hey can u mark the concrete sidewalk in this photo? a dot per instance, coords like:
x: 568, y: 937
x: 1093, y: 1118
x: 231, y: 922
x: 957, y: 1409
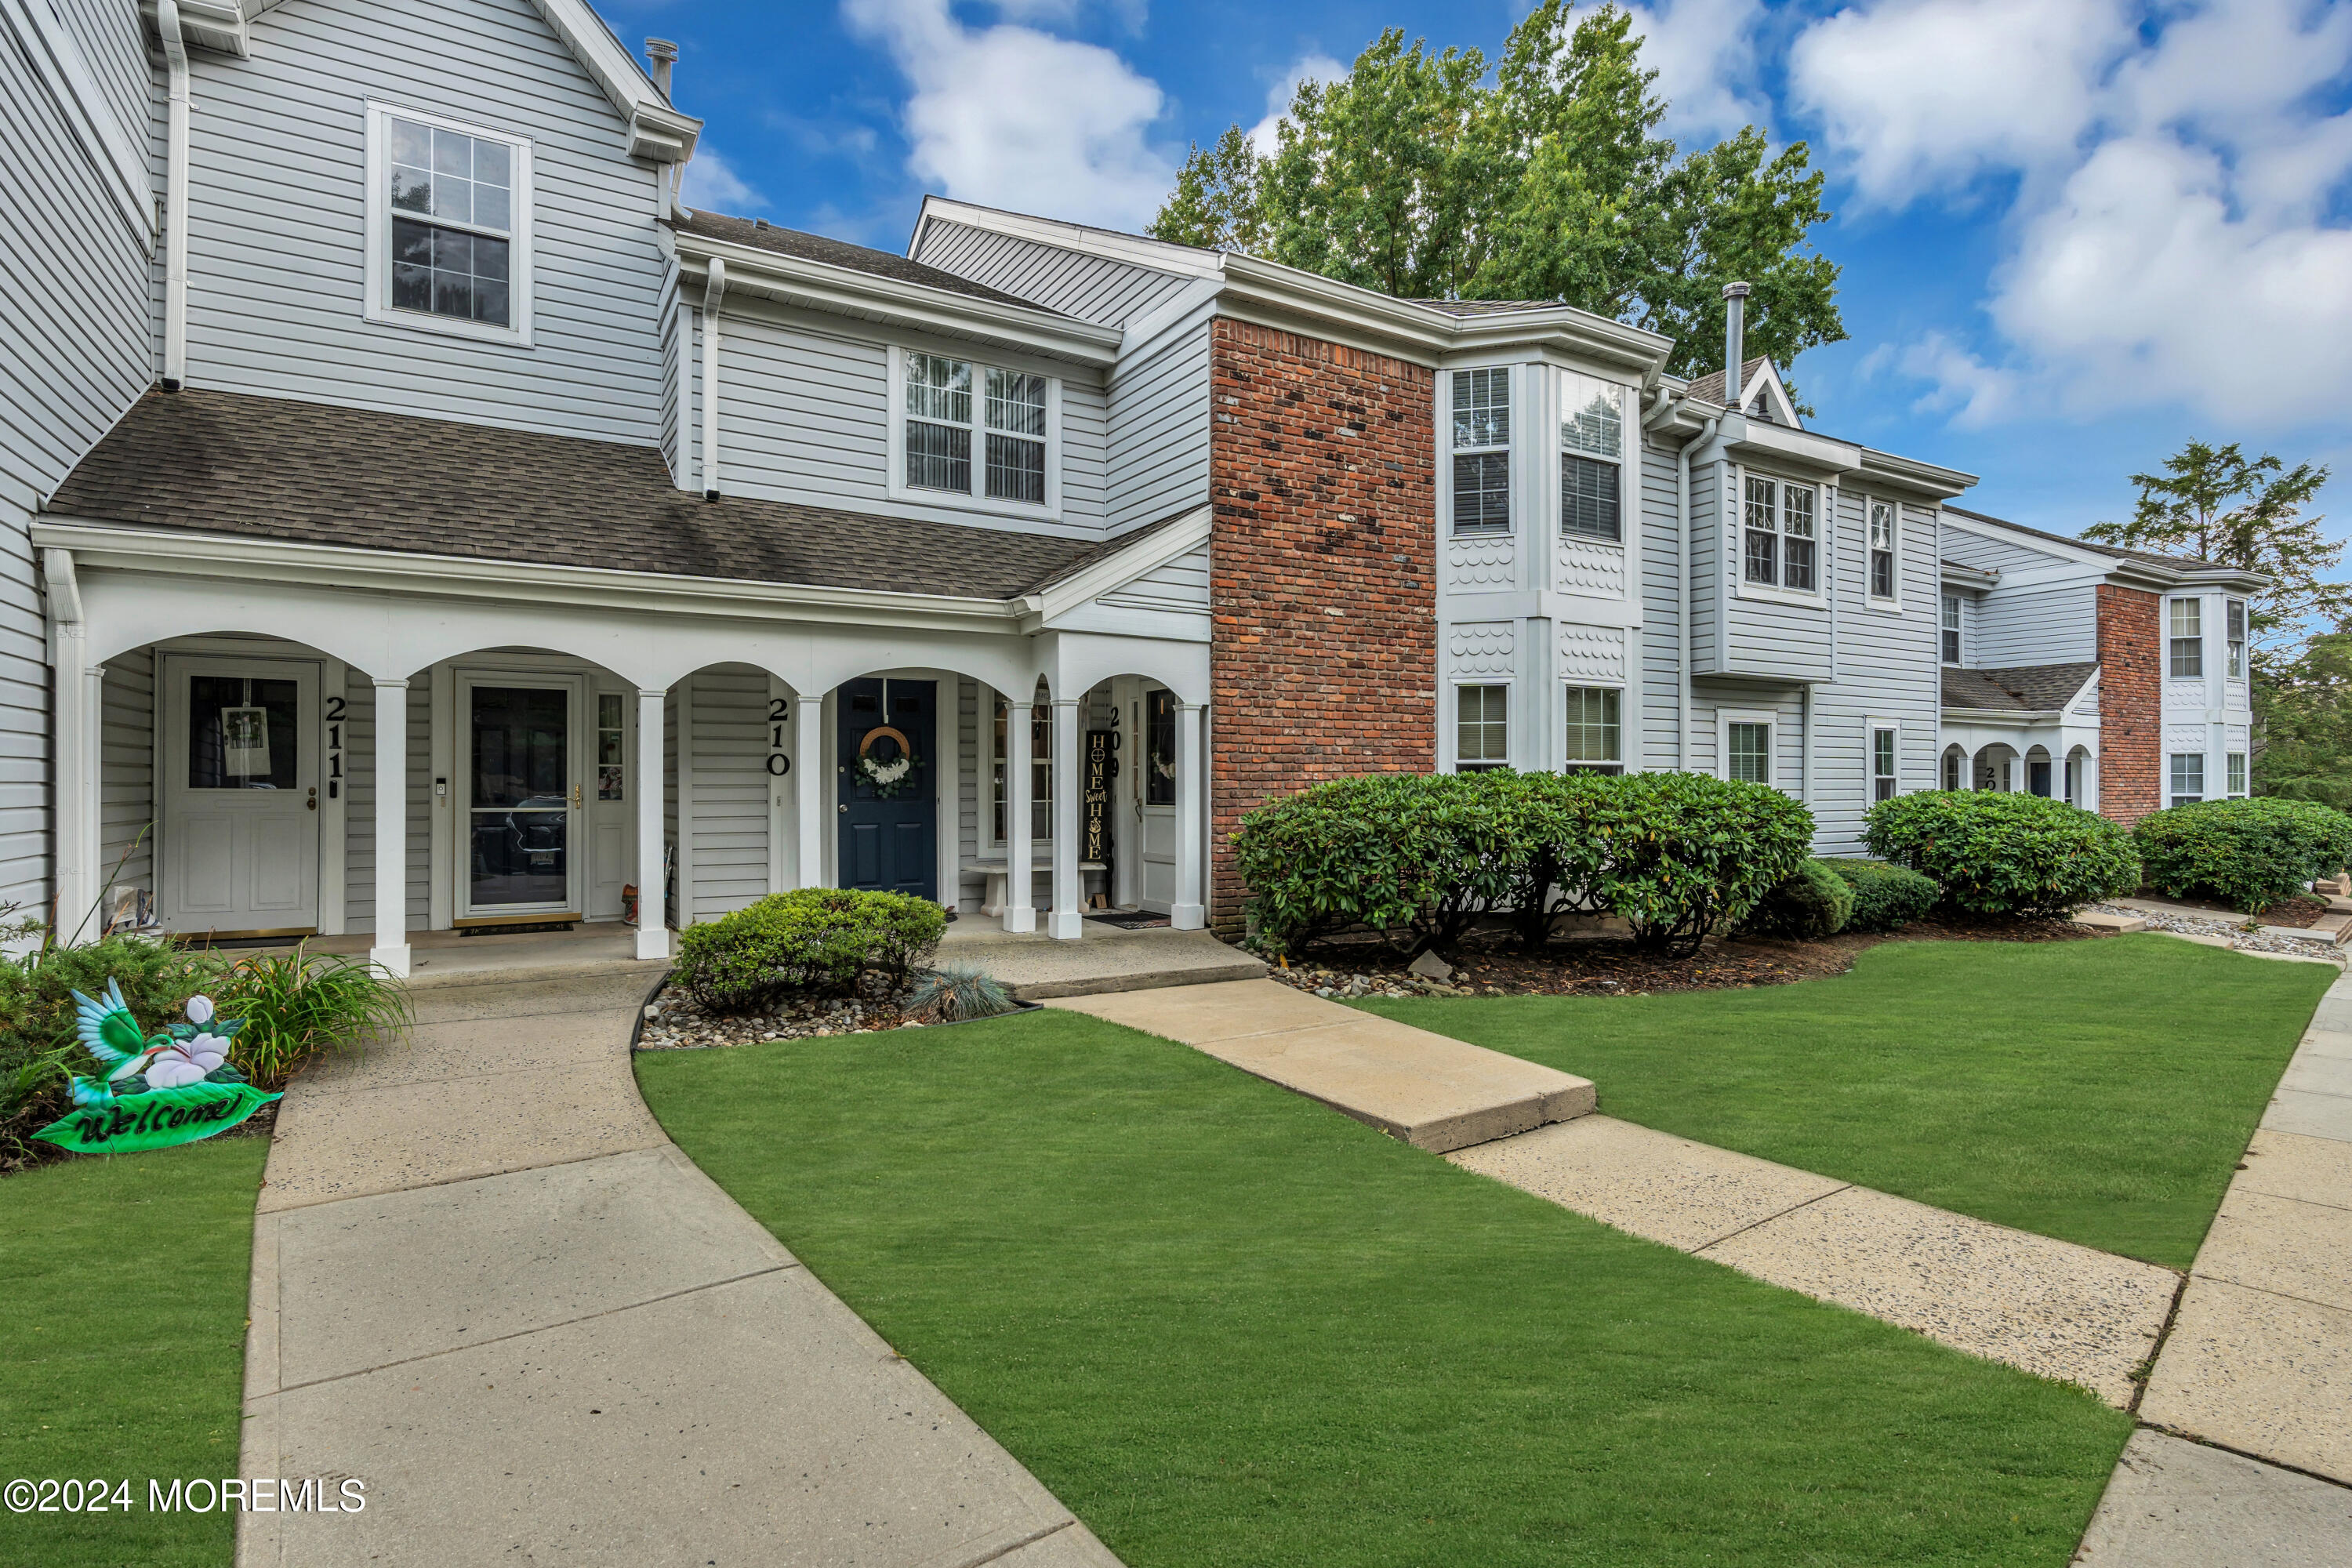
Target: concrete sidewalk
x: 1107, y: 958
x: 485, y: 1285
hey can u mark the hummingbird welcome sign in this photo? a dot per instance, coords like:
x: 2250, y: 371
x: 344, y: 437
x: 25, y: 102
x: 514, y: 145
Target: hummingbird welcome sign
x: 158, y: 1091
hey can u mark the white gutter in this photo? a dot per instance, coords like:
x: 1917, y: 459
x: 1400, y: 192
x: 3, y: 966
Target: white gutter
x: 714, y: 292
x: 175, y: 200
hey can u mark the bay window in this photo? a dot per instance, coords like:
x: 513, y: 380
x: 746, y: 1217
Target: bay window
x: 2237, y: 639
x: 2237, y: 773
x: 1482, y: 451
x: 1595, y: 729
x: 2187, y: 778
x: 1481, y: 729
x: 2187, y: 650
x: 1592, y: 459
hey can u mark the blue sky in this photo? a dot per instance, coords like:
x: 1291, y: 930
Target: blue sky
x: 2075, y: 233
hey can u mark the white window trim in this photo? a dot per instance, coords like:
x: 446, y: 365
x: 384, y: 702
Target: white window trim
x: 2205, y: 662
x: 986, y: 757
x: 2243, y: 643
x: 1513, y: 383
x: 1869, y: 601
x: 1510, y: 711
x: 2240, y: 788
x: 1815, y: 597
x: 1628, y: 482
x: 1725, y: 718
x: 520, y: 270
x: 977, y: 499
x: 2170, y: 797
x: 1870, y: 728
x: 1628, y: 723
x: 1961, y: 602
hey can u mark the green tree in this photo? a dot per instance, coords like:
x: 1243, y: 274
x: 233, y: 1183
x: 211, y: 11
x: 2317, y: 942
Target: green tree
x: 2214, y: 503
x: 2302, y: 724
x: 1416, y: 176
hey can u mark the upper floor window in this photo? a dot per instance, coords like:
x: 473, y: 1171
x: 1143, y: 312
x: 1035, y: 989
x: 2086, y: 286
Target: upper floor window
x: 1781, y: 534
x: 1593, y: 459
x: 2237, y: 614
x: 2188, y: 639
x: 1482, y: 739
x: 1882, y: 526
x: 1951, y: 628
x: 1482, y: 451
x: 448, y: 218
x: 1596, y: 731
x: 1001, y: 422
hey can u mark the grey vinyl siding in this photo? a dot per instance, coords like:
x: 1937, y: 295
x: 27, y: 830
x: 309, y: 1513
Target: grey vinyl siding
x: 1707, y: 564
x: 2034, y: 626
x: 1158, y: 458
x: 74, y: 353
x: 673, y: 323
x: 1886, y: 670
x: 1786, y: 704
x: 359, y: 819
x: 1179, y: 585
x: 1660, y: 678
x: 1995, y: 554
x: 127, y: 771
x: 1091, y: 287
x: 731, y: 789
x: 804, y: 416
x: 114, y: 47
x: 277, y: 263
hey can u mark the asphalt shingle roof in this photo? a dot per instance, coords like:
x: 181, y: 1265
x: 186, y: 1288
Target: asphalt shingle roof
x: 229, y: 463
x: 764, y: 236
x: 1708, y: 388
x: 2021, y: 689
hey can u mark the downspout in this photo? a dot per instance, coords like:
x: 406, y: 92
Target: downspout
x: 175, y: 199
x: 714, y: 291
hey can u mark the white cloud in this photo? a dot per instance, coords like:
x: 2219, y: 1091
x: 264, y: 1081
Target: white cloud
x: 1009, y: 116
x: 712, y: 183
x: 1705, y: 53
x: 1305, y: 68
x: 1975, y: 394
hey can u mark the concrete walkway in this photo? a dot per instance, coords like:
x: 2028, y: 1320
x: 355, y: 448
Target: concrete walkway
x: 485, y: 1285
x: 1106, y: 959
x: 2260, y: 1357
x: 2048, y: 1306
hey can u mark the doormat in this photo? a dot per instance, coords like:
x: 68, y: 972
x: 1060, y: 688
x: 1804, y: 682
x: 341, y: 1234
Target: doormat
x: 1131, y: 919
x: 514, y: 931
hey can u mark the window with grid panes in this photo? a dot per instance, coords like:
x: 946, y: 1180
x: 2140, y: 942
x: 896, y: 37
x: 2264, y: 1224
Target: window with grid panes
x: 1481, y: 729
x: 2187, y: 777
x: 1595, y: 731
x: 453, y: 224
x: 2237, y: 639
x: 1951, y: 628
x: 956, y: 411
x: 1882, y: 764
x: 1592, y: 459
x: 1749, y: 752
x: 1883, y: 525
x: 1041, y: 771
x: 1481, y: 450
x: 2237, y: 772
x: 2187, y: 637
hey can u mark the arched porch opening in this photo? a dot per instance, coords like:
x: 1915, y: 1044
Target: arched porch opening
x: 2040, y: 774
x: 2082, y: 779
x: 1995, y: 768
x: 1952, y: 769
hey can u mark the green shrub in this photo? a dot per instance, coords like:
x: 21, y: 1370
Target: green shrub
x: 1885, y: 898
x: 1688, y: 855
x: 1809, y: 903
x: 818, y: 939
x: 295, y: 1005
x: 2002, y: 854
x: 2248, y: 853
x: 1559, y: 862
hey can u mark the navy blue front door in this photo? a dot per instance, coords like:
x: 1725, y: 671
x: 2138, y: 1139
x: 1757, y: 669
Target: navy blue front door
x: 889, y: 822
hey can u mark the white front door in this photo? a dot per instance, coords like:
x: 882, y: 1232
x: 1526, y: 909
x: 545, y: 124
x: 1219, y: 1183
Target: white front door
x: 1155, y: 786
x: 239, y: 795
x: 520, y: 772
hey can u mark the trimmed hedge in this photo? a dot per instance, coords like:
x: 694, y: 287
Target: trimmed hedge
x: 1676, y: 854
x: 1885, y: 898
x: 2002, y: 854
x: 2248, y: 853
x: 818, y: 939
x: 1810, y: 902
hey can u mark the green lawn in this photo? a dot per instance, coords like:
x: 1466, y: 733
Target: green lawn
x: 122, y: 1289
x: 1227, y: 1325
x: 2101, y: 1091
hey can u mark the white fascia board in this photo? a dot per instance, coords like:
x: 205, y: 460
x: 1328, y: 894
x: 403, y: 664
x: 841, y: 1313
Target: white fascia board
x: 2090, y: 684
x: 2003, y: 716
x: 2062, y: 575
x: 822, y: 286
x: 1959, y: 574
x: 652, y: 122
x: 1909, y: 473
x: 237, y: 556
x: 1136, y: 249
x: 1188, y: 533
x: 1767, y: 380
x: 1818, y: 453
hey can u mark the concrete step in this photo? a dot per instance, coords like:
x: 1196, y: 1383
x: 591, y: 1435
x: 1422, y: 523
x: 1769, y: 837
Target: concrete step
x: 1038, y: 968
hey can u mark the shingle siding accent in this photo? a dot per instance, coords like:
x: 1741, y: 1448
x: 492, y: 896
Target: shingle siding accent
x: 1323, y: 657
x: 2131, y: 703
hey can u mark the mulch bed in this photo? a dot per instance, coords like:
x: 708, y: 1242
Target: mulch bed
x: 675, y: 1021
x: 1488, y: 963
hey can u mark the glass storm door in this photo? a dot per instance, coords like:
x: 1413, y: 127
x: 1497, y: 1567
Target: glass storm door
x: 522, y: 800
x: 240, y: 804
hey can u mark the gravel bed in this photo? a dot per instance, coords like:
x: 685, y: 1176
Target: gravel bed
x: 676, y: 1022
x: 2243, y: 933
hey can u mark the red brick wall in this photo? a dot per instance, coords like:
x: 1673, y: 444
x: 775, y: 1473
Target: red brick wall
x: 1322, y: 574
x: 2131, y: 703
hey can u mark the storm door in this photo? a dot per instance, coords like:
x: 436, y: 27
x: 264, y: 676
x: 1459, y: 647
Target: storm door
x: 522, y: 798
x: 239, y: 777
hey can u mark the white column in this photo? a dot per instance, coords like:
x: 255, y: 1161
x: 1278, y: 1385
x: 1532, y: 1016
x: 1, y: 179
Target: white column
x: 389, y: 952
x: 1069, y: 919
x: 652, y: 929
x: 2090, y: 782
x: 74, y: 877
x: 1189, y: 912
x: 947, y: 759
x: 808, y: 767
x: 1019, y: 890
x: 776, y: 751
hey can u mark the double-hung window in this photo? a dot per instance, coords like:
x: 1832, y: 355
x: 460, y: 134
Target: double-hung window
x: 1482, y: 728
x: 2237, y: 622
x: 1951, y: 628
x: 1781, y: 534
x: 448, y: 220
x: 1881, y: 763
x: 1592, y: 459
x: 2188, y: 639
x: 975, y: 430
x: 1482, y: 451
x: 2187, y: 777
x: 1882, y: 526
x: 2237, y: 773
x: 1748, y: 752
x: 1952, y: 761
x: 1595, y: 729
x: 1041, y: 771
